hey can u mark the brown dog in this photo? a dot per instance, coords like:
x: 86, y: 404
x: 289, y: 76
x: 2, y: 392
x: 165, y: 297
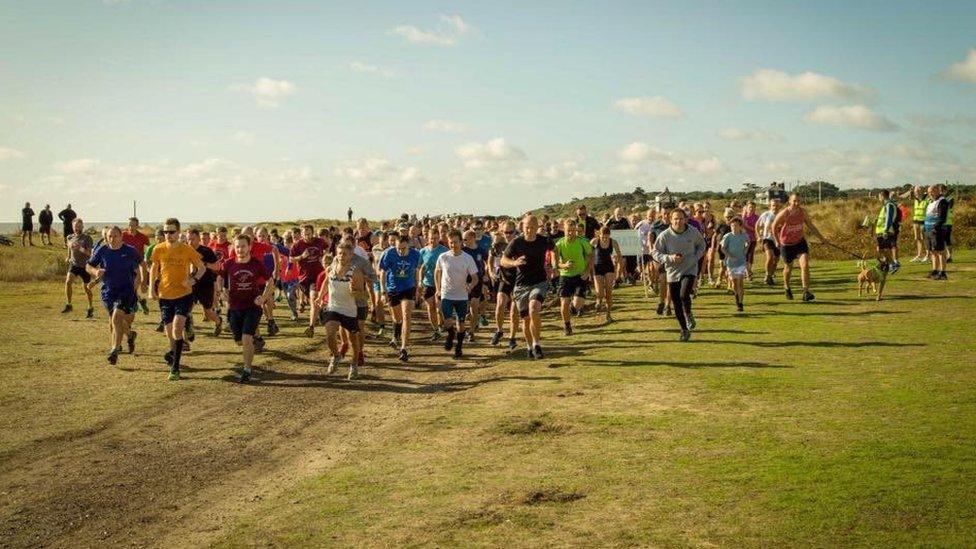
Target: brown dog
x: 872, y: 280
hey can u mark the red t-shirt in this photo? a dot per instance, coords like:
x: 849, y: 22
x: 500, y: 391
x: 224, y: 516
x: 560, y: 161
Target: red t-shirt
x: 320, y: 280
x: 791, y: 232
x: 222, y: 251
x: 245, y: 282
x: 137, y: 240
x: 310, y: 266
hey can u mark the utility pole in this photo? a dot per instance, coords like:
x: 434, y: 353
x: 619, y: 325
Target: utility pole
x: 134, y: 209
x: 819, y: 192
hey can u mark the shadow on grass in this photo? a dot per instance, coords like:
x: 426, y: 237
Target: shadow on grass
x: 370, y: 383
x: 687, y: 365
x: 827, y: 344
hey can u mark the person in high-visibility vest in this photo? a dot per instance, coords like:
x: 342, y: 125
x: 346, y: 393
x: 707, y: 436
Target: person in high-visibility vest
x: 919, y: 203
x: 886, y: 231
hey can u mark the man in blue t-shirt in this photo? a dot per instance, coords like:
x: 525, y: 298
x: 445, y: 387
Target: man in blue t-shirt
x: 428, y: 260
x: 472, y: 247
x: 399, y: 274
x: 118, y: 265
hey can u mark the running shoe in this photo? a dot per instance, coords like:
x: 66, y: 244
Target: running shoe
x: 579, y: 312
x: 942, y: 276
x: 394, y: 342
x: 245, y: 376
x: 948, y: 260
x: 457, y: 353
x: 660, y: 308
x: 471, y: 336
x: 530, y: 353
x: 258, y: 344
x: 512, y: 344
x: 145, y: 306
x: 685, y: 335
x: 310, y: 331
x: 483, y: 320
x: 807, y: 296
x: 738, y: 307
x: 174, y: 375
x: 294, y: 317
x: 67, y: 308
x: 333, y: 363
x: 769, y: 280
x: 449, y: 341
x: 90, y: 313
x: 403, y: 356
x: 934, y: 275
x: 496, y: 338
x: 218, y: 327
x: 190, y: 332
x: 131, y: 341
x: 568, y: 329
x: 789, y: 294
x: 353, y: 372
x: 572, y: 310
x: 537, y: 351
x: 168, y: 357
x: 895, y: 267
x: 669, y: 312
x: 160, y: 327
x: 692, y: 324
x: 113, y: 357
x: 435, y: 335
x: 609, y: 319
x: 273, y: 327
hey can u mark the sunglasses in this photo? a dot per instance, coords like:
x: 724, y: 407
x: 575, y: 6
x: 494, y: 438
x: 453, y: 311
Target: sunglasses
x: 170, y: 232
x: 509, y: 232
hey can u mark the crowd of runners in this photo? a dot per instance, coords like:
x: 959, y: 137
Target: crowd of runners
x: 466, y: 274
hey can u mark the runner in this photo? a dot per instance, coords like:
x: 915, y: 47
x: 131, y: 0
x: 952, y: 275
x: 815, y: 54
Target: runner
x: 67, y: 217
x: 160, y: 237
x: 606, y: 265
x: 735, y: 247
x: 308, y: 252
x: 660, y: 225
x: 80, y: 247
x: 264, y: 249
x: 399, y: 274
x: 456, y: 275
x: 504, y: 282
x: 644, y: 227
x: 936, y: 213
x: 789, y: 228
x: 133, y: 237
x: 176, y: 267
x: 920, y: 203
x: 343, y: 280
x: 749, y: 220
x: 428, y: 259
x: 588, y: 224
x: 886, y: 232
x: 573, y: 257
x: 248, y: 287
x: 764, y: 232
x: 27, y: 227
x: 473, y: 248
x: 118, y: 265
x: 221, y: 247
x: 360, y: 291
x: 203, y: 290
x: 46, y: 218
x: 527, y: 255
x: 678, y: 249
x: 724, y: 228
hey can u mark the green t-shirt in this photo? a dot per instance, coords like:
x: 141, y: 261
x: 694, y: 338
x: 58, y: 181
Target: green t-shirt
x: 577, y: 251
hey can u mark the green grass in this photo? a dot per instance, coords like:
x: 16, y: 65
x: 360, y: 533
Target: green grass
x: 845, y: 422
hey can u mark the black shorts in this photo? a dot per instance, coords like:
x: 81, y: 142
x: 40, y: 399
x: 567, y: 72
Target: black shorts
x: 793, y: 251
x: 203, y: 293
x: 505, y: 287
x: 935, y: 239
x: 362, y: 312
x: 350, y: 323
x: 478, y: 291
x: 887, y: 241
x: 244, y: 321
x: 769, y: 244
x: 922, y: 222
x: 603, y: 269
x: 397, y: 297
x: 170, y: 308
x: 429, y: 292
x: 27, y: 227
x: 123, y: 301
x: 81, y: 273
x: 947, y: 234
x: 570, y: 286
x: 45, y: 229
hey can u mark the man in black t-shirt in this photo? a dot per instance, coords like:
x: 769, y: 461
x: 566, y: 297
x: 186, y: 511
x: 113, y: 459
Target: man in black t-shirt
x: 27, y: 227
x: 527, y: 255
x: 618, y: 221
x: 46, y: 217
x: 203, y: 290
x: 588, y: 224
x: 67, y: 217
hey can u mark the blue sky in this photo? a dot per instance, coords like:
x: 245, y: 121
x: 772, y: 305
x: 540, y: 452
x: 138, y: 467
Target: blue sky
x: 279, y: 110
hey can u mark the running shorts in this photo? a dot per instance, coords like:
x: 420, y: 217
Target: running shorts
x: 770, y: 244
x: 603, y: 269
x: 522, y: 295
x: 478, y: 291
x: 244, y: 321
x: 81, y: 273
x: 451, y: 308
x: 349, y: 323
x: 570, y: 286
x: 887, y: 241
x: 405, y: 295
x: 203, y: 293
x: 935, y: 239
x: 793, y: 251
x: 123, y: 300
x: 429, y: 292
x: 170, y: 308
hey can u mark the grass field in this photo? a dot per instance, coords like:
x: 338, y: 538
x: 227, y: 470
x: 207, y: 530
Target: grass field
x: 835, y: 423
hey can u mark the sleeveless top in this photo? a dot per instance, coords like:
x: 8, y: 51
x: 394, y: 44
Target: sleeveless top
x: 341, y: 298
x: 792, y: 230
x: 604, y: 256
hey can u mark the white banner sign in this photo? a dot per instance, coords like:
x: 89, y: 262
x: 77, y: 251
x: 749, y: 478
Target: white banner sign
x: 628, y: 240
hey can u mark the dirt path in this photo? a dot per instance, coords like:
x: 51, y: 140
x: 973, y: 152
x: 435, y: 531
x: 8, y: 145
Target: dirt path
x: 177, y: 471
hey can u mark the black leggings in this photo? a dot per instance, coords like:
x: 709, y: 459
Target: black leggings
x: 680, y: 292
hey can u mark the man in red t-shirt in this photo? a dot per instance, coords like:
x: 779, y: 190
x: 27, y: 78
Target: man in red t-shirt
x: 249, y: 286
x: 139, y: 241
x: 308, y: 251
x: 220, y: 246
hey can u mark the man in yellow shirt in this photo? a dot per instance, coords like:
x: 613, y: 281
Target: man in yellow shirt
x: 175, y: 268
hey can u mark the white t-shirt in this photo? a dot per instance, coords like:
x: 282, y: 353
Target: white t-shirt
x: 766, y: 222
x: 455, y: 270
x: 643, y: 229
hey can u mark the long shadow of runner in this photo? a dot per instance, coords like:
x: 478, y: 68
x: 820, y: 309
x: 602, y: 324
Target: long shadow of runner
x: 370, y: 383
x: 689, y: 365
x: 828, y: 344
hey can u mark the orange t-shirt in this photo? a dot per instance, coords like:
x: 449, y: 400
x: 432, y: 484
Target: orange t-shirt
x: 174, y: 262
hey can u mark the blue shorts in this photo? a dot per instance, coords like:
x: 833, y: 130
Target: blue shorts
x: 124, y: 300
x: 170, y: 308
x: 454, y: 307
x: 244, y: 321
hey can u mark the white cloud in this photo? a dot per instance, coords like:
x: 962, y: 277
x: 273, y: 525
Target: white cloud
x: 416, y: 150
x: 965, y: 70
x: 656, y: 106
x: 377, y: 176
x: 244, y: 138
x: 854, y: 116
x: 268, y: 92
x: 735, y: 134
x: 449, y: 31
x: 373, y: 70
x: 7, y: 153
x: 77, y: 166
x: 447, y: 126
x: 638, y: 153
x: 491, y: 153
x: 772, y: 85
x: 929, y: 121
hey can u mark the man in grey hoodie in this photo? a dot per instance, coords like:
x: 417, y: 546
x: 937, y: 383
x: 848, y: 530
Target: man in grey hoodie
x: 679, y: 248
